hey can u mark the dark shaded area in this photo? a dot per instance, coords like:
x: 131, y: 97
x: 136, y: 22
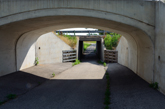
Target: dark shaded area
x: 18, y: 83
x: 90, y: 54
x: 55, y: 94
x: 129, y: 91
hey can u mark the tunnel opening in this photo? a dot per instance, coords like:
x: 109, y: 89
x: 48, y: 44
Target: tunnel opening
x: 24, y: 35
x: 91, y: 53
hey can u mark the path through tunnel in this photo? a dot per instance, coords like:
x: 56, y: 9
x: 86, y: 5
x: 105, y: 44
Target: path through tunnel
x: 90, y: 53
x: 94, y: 52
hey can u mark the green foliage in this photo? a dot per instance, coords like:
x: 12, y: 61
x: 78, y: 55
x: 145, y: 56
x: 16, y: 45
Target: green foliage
x: 11, y: 96
x: 100, y: 33
x: 36, y: 61
x: 86, y: 45
x: 53, y: 74
x: 2, y: 102
x: 111, y: 42
x: 107, y: 92
x: 100, y: 62
x: 76, y: 62
x: 106, y: 107
x: 104, y: 64
x: 107, y: 41
x: 154, y: 85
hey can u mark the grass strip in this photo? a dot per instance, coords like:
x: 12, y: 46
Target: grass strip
x: 107, y: 92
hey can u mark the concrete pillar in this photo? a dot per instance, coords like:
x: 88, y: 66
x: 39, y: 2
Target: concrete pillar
x: 80, y: 49
x: 102, y: 49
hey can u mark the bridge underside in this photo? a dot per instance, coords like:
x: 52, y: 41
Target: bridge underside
x: 20, y: 28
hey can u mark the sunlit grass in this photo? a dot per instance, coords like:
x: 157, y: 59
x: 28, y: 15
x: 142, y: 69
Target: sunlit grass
x: 86, y: 45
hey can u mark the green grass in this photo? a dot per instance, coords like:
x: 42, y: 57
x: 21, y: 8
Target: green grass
x: 101, y: 62
x: 107, y: 92
x: 9, y: 97
x: 2, y: 102
x: 53, y: 74
x: 104, y: 64
x: 93, y: 42
x: 76, y: 62
x: 86, y: 45
x: 36, y: 61
x: 154, y: 85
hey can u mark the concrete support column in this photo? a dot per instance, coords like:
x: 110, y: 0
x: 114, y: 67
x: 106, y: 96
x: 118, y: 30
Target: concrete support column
x: 80, y: 50
x: 102, y: 49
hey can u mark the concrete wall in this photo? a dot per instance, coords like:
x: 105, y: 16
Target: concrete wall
x: 50, y: 50
x: 123, y: 54
x: 159, y: 73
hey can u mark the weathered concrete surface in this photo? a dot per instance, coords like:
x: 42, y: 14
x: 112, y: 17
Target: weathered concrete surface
x: 46, y: 70
x: 84, y: 70
x: 23, y: 81
x: 129, y: 91
x: 159, y: 74
x: 123, y: 53
x: 47, y: 48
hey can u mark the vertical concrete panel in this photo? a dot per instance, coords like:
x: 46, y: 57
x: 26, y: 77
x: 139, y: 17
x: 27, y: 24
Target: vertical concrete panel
x: 80, y: 50
x: 102, y: 49
x: 159, y: 75
x: 123, y: 54
x: 49, y: 48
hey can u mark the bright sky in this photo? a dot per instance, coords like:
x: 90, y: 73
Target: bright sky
x: 69, y: 29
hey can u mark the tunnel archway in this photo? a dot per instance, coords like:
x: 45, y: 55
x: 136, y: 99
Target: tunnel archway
x: 140, y: 44
x: 30, y: 27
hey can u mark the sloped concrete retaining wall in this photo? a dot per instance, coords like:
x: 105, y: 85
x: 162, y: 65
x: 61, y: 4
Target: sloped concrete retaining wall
x: 47, y: 48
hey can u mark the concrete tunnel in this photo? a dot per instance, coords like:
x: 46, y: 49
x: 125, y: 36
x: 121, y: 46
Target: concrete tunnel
x: 99, y: 46
x: 141, y: 26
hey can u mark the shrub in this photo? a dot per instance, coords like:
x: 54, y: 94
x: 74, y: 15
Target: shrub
x: 76, y: 62
x: 53, y: 74
x: 111, y: 42
x: 36, y: 61
x: 107, y: 41
x: 104, y: 64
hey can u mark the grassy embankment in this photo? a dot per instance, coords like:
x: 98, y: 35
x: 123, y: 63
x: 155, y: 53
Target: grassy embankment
x: 70, y: 40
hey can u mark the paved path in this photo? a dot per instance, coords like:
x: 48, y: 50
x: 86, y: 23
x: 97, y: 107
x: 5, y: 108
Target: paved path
x: 129, y: 91
x: 66, y: 91
x: 85, y: 70
x: 79, y: 87
x: 89, y: 54
x: 23, y: 81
